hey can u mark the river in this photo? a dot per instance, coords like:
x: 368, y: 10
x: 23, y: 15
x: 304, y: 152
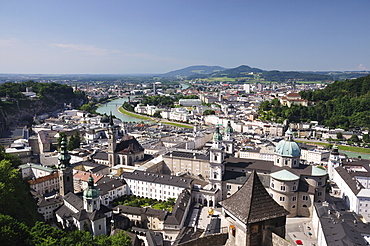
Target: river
x: 113, y: 106
x: 355, y: 154
x: 184, y: 86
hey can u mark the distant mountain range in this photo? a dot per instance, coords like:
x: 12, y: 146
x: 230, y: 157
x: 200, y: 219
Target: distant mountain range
x: 194, y: 72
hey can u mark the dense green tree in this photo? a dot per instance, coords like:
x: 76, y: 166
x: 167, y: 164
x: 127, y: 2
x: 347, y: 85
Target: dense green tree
x: 157, y: 114
x: 44, y: 234
x: 14, y: 160
x: 209, y: 112
x: 60, y: 138
x: 13, y: 232
x: 15, y: 198
x: 128, y: 106
x: 339, y: 135
x: 354, y: 138
x: 366, y: 138
x: 343, y: 104
x: 74, y: 141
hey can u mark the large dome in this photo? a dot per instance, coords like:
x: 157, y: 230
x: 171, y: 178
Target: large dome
x: 288, y: 147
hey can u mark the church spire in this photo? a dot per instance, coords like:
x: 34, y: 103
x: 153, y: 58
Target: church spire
x: 65, y: 171
x: 64, y: 158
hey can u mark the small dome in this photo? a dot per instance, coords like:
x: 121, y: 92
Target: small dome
x: 229, y: 129
x: 217, y: 136
x: 91, y: 192
x: 288, y: 147
x: 104, y: 119
x: 316, y: 171
x: 284, y: 175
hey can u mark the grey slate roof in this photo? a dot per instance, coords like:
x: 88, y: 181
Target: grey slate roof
x: 340, y: 227
x: 349, y: 179
x: 128, y: 145
x: 189, y: 155
x: 251, y: 203
x: 249, y: 164
x: 179, y: 209
x: 106, y: 184
x: 101, y: 155
x: 64, y: 212
x: 160, y: 214
x: 47, y: 202
x: 74, y: 200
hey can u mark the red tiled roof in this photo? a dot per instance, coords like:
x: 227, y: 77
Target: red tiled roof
x: 85, y: 175
x: 43, y: 179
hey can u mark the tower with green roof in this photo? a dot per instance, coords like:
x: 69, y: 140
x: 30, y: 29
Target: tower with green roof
x: 65, y: 170
x: 216, y: 161
x: 91, y: 196
x: 228, y: 139
x: 334, y: 161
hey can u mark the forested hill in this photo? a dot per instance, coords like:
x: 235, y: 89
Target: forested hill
x: 194, y: 70
x: 351, y: 88
x: 344, y: 104
x: 241, y: 71
x: 15, y: 106
x: 244, y: 71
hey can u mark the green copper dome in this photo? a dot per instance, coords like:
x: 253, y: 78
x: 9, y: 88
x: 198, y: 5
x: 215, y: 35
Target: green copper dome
x: 288, y: 147
x: 217, y: 136
x: 229, y: 129
x: 91, y: 192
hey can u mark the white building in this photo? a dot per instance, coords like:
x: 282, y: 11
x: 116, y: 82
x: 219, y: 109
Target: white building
x: 155, y: 186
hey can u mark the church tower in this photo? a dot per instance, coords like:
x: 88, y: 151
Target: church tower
x: 91, y: 196
x: 334, y: 161
x: 229, y: 141
x: 252, y: 215
x: 65, y: 171
x: 217, y: 157
x: 112, y: 142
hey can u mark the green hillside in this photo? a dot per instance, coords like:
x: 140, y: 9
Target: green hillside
x: 344, y: 104
x: 193, y: 70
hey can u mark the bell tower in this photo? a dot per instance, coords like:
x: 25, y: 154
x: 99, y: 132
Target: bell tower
x: 112, y: 142
x: 91, y: 196
x: 65, y: 171
x: 217, y: 156
x: 229, y: 140
x: 334, y: 161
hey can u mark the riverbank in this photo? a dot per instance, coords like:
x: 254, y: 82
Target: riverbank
x: 139, y: 116
x: 340, y: 147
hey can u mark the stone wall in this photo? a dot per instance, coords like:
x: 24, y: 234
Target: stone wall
x: 279, y: 241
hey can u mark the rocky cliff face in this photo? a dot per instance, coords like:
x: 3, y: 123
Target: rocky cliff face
x: 25, y: 110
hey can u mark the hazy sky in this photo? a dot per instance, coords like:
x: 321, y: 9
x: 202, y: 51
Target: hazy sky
x: 157, y: 36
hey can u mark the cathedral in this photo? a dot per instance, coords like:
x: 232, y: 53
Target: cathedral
x: 290, y: 183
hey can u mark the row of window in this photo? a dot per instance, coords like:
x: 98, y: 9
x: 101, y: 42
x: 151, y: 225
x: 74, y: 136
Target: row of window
x: 294, y: 198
